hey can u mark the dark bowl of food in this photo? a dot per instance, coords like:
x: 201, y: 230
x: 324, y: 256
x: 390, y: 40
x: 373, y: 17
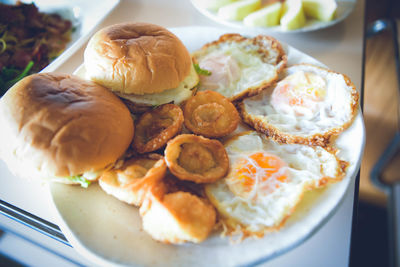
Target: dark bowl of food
x: 40, y: 36
x: 29, y: 40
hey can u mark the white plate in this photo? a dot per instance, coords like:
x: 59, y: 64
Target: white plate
x: 84, y: 15
x: 345, y: 7
x: 108, y: 231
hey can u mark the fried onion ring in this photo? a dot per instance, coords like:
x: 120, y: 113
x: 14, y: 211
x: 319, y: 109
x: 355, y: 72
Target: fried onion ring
x: 154, y: 128
x: 196, y: 158
x: 131, y: 182
x: 210, y: 114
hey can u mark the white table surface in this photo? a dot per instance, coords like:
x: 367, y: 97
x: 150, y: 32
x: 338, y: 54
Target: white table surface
x: 339, y: 47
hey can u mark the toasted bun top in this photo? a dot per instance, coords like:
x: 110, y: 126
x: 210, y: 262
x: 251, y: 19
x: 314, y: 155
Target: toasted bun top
x: 60, y: 125
x: 136, y: 58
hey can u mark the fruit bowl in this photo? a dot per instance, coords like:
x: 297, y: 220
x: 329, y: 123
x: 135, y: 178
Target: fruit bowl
x: 344, y: 9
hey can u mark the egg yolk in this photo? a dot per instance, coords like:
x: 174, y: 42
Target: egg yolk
x: 259, y: 173
x: 300, y: 89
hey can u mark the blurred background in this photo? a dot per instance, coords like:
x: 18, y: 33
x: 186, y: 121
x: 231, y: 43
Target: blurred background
x: 381, y: 122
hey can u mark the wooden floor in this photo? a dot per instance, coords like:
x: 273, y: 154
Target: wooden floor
x: 380, y: 111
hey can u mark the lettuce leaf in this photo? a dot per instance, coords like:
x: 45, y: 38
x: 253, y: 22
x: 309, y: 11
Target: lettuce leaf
x: 200, y: 70
x: 81, y: 180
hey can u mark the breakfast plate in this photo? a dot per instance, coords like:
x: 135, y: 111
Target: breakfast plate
x: 344, y: 8
x: 109, y: 232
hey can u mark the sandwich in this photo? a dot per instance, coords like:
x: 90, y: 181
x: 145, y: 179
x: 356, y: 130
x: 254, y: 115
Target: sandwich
x: 144, y: 64
x: 61, y: 128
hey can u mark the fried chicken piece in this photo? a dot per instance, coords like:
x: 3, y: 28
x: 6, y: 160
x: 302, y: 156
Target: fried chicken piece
x: 177, y: 217
x: 131, y: 182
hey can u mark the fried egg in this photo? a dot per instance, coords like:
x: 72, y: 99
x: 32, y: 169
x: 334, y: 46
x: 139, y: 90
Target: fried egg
x: 308, y: 105
x: 239, y: 66
x: 267, y: 180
